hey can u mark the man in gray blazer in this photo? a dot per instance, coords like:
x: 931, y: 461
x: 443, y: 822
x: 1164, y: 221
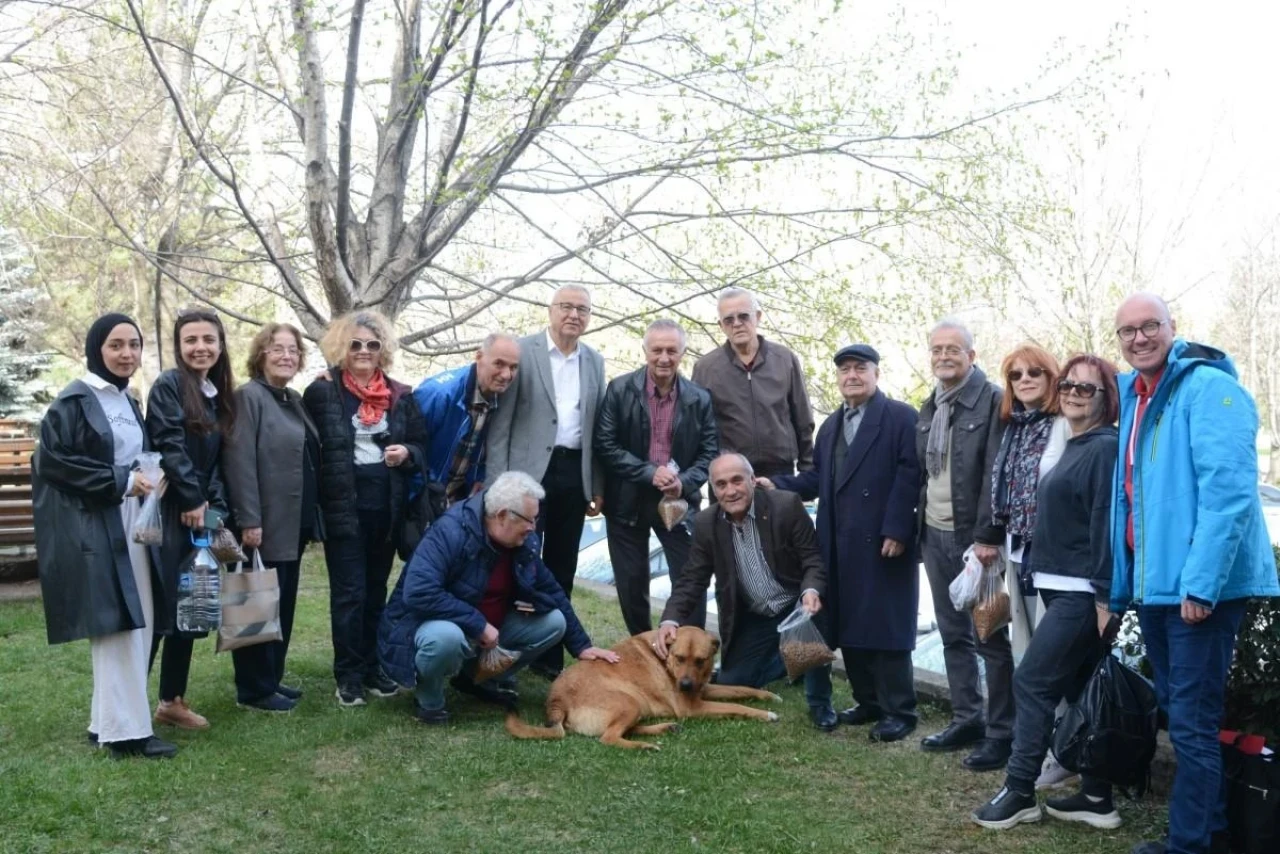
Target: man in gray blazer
x: 544, y: 426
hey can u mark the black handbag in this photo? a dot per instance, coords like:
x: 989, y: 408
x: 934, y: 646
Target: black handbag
x: 419, y: 515
x: 1110, y: 732
x: 1253, y: 795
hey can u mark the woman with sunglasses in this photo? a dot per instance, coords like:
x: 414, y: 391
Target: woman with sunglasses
x: 1032, y: 444
x: 373, y: 442
x: 1071, y: 567
x: 190, y: 409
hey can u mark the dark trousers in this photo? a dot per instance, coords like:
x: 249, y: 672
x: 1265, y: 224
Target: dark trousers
x: 629, y: 554
x: 1190, y: 663
x: 882, y: 680
x: 943, y: 560
x: 1058, y: 662
x: 751, y: 658
x: 560, y: 522
x: 358, y: 570
x: 260, y: 668
x: 175, y: 664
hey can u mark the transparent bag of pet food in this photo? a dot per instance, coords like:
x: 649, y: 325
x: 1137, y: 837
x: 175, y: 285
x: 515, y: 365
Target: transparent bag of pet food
x: 801, y: 645
x: 992, y: 612
x: 967, y: 586
x: 672, y: 510
x: 494, y: 662
x: 225, y: 548
x: 148, y: 528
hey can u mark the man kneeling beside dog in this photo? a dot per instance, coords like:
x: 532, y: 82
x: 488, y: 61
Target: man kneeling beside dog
x: 481, y: 556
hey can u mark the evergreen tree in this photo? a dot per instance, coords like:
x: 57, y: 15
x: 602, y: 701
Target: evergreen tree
x: 21, y: 390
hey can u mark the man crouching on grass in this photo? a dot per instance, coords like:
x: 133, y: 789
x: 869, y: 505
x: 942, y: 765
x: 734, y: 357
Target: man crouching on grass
x: 763, y: 551
x: 476, y: 582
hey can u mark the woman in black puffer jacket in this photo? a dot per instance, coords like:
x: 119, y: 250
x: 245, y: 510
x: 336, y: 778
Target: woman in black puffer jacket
x: 373, y: 449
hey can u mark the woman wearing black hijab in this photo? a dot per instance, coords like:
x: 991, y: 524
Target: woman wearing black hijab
x: 96, y: 581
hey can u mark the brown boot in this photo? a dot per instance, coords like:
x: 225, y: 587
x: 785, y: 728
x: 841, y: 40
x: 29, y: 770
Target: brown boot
x: 177, y: 713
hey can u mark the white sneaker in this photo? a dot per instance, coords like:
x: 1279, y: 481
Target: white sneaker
x: 1053, y: 775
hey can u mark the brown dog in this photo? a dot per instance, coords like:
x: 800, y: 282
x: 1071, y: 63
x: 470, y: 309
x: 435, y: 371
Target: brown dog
x: 609, y: 700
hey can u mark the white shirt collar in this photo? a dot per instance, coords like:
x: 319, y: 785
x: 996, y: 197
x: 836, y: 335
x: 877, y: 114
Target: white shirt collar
x: 555, y: 351
x: 208, y: 389
x: 99, y: 384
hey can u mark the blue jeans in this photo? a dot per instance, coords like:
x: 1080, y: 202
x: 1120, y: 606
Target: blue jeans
x: 1190, y: 664
x: 754, y: 660
x: 443, y: 649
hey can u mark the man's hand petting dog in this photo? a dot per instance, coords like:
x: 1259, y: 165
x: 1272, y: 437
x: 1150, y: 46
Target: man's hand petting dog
x: 595, y: 653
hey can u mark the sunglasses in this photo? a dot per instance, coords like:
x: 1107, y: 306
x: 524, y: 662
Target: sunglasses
x: 1034, y: 373
x: 358, y: 344
x: 1085, y: 390
x: 735, y: 319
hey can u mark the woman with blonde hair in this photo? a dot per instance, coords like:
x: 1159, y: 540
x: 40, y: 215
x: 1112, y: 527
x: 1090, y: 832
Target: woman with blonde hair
x: 373, y: 442
x: 272, y: 466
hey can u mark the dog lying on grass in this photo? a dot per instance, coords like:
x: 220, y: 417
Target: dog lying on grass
x: 596, y: 698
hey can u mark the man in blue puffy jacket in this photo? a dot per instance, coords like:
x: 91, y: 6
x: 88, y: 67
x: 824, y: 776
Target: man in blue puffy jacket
x: 476, y: 582
x: 1189, y: 541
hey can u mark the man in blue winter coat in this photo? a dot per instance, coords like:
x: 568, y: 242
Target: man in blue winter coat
x: 474, y: 583
x: 1189, y: 542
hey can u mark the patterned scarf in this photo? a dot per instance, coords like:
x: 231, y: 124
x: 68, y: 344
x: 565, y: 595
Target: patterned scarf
x: 374, y: 398
x: 1016, y: 474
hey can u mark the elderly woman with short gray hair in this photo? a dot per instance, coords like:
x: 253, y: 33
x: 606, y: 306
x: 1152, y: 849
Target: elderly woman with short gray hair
x: 271, y: 463
x: 476, y: 582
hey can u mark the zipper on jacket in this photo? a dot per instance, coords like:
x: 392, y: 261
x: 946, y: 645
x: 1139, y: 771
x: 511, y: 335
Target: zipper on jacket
x: 1155, y: 437
x: 755, y: 426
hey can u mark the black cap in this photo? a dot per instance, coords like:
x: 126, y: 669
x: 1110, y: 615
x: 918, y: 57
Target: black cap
x: 861, y: 352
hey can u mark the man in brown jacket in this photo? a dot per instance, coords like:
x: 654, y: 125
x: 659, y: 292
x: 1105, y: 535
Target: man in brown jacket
x: 762, y: 550
x: 758, y: 391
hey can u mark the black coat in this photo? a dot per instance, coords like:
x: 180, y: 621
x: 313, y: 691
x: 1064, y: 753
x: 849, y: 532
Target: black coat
x: 86, y: 579
x: 323, y: 399
x: 622, y: 444
x: 193, y: 469
x: 872, y: 601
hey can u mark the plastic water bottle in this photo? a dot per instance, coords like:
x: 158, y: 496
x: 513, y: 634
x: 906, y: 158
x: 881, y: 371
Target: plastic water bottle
x: 200, y: 592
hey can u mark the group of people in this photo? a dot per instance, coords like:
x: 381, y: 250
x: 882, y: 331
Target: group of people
x: 482, y: 476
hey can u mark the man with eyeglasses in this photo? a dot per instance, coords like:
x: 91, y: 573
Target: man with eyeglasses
x: 957, y: 442
x: 474, y: 584
x: 544, y: 426
x: 459, y: 405
x: 758, y: 389
x: 1189, y: 542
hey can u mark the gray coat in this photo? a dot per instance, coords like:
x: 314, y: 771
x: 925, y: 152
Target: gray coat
x: 523, y: 430
x: 262, y: 463
x: 976, y: 431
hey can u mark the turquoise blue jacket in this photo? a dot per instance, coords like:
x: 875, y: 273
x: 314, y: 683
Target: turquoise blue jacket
x: 1198, y: 530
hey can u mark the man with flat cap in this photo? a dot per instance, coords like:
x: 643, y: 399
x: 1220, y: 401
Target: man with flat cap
x: 867, y: 478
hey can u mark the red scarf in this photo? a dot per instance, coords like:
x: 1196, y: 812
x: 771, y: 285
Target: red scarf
x: 374, y: 398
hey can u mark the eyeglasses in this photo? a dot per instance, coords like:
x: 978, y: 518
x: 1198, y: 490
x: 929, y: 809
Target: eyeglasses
x: 1148, y: 330
x: 373, y: 345
x: 573, y: 308
x: 519, y: 515
x: 742, y: 317
x: 1034, y: 373
x: 278, y: 350
x: 950, y: 350
x: 1085, y: 390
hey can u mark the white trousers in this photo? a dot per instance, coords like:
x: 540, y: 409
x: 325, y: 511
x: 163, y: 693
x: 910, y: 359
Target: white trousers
x: 120, y: 710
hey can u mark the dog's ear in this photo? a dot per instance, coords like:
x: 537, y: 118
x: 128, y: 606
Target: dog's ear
x: 715, y: 644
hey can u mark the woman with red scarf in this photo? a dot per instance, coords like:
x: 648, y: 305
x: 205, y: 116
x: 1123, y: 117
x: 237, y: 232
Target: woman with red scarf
x: 373, y: 442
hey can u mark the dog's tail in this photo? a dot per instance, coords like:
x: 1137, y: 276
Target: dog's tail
x: 553, y: 730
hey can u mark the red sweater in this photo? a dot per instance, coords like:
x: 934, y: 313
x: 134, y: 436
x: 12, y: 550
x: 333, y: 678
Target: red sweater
x: 1145, y: 393
x: 496, y: 600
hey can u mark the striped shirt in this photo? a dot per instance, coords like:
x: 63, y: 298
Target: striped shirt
x: 662, y: 419
x: 765, y: 595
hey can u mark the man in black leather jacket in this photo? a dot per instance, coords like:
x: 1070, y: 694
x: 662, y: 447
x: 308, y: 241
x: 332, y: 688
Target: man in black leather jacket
x: 650, y: 418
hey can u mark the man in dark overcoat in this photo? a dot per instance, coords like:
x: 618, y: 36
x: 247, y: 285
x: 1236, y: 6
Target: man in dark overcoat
x: 866, y: 478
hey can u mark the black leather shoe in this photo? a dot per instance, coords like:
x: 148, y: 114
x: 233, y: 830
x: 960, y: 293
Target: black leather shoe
x: 891, y: 729
x: 992, y: 755
x: 432, y: 717
x: 954, y: 737
x: 486, y: 693
x: 824, y: 718
x: 859, y: 715
x: 294, y: 694
x: 147, y: 748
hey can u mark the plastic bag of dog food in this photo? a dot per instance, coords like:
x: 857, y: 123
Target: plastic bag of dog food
x: 225, y: 548
x: 148, y: 528
x: 672, y: 510
x: 967, y: 586
x: 494, y: 662
x: 801, y: 645
x: 992, y: 613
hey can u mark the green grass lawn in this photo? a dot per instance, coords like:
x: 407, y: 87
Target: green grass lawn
x: 325, y: 779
